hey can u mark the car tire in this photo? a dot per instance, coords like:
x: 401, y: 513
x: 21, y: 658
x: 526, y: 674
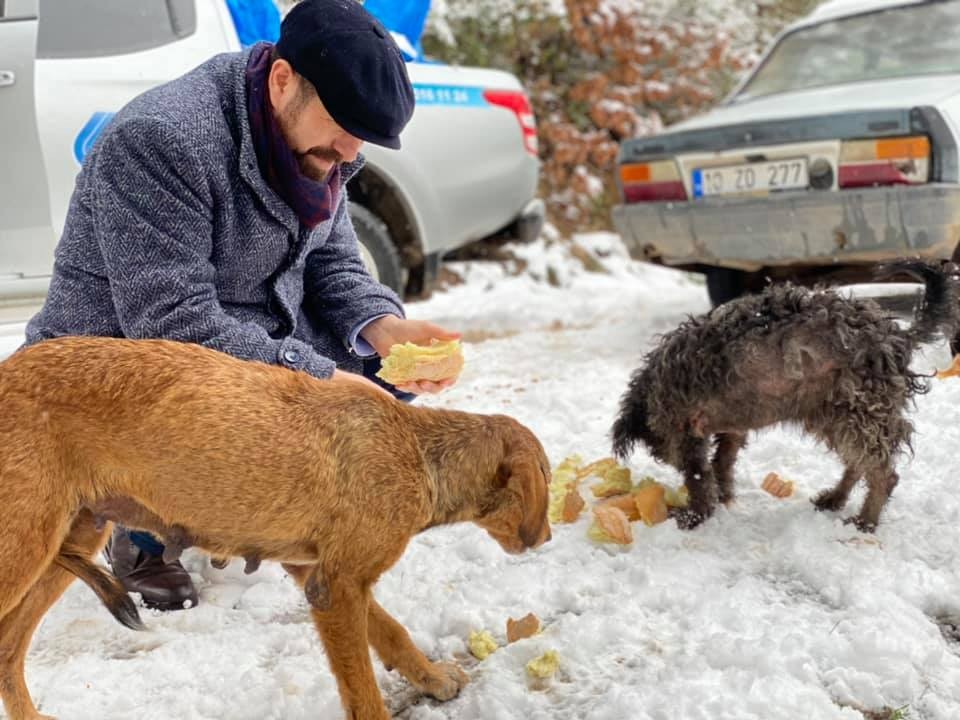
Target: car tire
x: 377, y: 248
x: 724, y: 284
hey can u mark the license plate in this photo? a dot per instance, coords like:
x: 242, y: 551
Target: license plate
x: 750, y: 178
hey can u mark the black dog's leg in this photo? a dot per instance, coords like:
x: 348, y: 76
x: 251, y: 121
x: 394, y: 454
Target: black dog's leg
x: 836, y: 497
x: 728, y: 445
x: 699, y: 479
x: 880, y: 483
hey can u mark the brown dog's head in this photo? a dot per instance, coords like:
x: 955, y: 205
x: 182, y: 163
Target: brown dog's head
x: 516, y: 512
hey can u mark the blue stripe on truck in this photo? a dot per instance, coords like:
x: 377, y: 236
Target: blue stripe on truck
x: 89, y: 133
x: 449, y: 95
x: 425, y: 95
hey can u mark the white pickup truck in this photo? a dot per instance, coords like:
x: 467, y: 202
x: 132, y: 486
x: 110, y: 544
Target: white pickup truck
x: 468, y: 168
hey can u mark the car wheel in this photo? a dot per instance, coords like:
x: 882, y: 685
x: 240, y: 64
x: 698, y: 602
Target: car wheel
x: 377, y: 249
x: 724, y: 284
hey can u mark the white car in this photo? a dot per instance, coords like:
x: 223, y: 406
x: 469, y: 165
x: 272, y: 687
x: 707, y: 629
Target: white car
x: 468, y: 168
x: 837, y: 151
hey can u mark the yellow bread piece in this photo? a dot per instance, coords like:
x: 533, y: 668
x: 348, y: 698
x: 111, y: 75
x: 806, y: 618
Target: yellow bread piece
x: 678, y: 498
x: 545, y: 666
x: 566, y: 503
x: 482, y: 644
x: 597, y: 467
x: 616, y: 481
x: 610, y: 525
x: 410, y: 363
x: 651, y: 503
x: 625, y: 503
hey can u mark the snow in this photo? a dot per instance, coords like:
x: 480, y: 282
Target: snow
x: 767, y: 611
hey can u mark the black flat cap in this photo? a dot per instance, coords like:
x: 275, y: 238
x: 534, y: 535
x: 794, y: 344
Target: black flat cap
x: 354, y: 64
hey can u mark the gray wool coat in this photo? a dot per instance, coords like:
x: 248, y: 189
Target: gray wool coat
x: 173, y: 233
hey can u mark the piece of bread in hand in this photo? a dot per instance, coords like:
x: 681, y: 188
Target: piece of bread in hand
x: 435, y: 362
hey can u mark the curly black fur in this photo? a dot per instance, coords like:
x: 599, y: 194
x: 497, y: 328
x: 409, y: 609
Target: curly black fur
x: 837, y: 367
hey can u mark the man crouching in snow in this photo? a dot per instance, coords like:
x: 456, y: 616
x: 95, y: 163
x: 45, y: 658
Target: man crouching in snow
x: 213, y: 210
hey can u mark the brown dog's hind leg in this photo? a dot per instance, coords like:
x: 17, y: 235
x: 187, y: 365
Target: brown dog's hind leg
x: 18, y: 624
x: 699, y: 479
x: 390, y: 639
x: 725, y: 457
x: 836, y: 497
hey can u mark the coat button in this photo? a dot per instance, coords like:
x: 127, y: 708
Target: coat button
x: 291, y: 356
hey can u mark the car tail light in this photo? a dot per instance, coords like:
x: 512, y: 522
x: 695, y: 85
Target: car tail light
x: 519, y: 104
x: 890, y: 161
x: 651, y: 182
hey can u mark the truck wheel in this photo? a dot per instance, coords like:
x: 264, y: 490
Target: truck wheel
x: 724, y: 284
x: 377, y: 249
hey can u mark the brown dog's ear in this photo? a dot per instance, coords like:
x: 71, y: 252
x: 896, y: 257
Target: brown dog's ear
x: 525, y: 477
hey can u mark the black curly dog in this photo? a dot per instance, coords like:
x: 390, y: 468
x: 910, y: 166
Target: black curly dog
x: 837, y: 367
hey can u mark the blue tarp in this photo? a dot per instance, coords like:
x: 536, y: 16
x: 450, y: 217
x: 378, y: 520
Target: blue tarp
x: 255, y: 20
x: 405, y: 17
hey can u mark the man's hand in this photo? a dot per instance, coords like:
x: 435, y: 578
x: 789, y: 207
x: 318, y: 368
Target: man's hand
x: 344, y: 376
x: 383, y: 333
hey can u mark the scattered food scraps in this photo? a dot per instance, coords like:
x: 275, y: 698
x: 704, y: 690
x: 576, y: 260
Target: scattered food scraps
x: 616, y: 480
x: 777, y: 486
x: 482, y: 644
x: 525, y: 627
x: 651, y: 504
x: 545, y: 666
x: 610, y: 525
x: 952, y: 371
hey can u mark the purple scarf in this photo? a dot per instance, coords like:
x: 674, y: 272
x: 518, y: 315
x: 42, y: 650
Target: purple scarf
x: 312, y: 201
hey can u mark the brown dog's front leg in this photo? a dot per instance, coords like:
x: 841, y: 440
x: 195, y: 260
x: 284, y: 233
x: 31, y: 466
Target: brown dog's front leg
x: 441, y: 680
x: 343, y: 630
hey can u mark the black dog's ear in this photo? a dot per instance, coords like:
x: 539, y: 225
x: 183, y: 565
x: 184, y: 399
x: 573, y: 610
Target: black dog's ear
x: 632, y: 425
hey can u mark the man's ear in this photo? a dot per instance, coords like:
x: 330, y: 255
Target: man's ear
x: 281, y: 83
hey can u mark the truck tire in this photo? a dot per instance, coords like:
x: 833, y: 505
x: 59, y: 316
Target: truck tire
x: 376, y: 246
x: 724, y: 284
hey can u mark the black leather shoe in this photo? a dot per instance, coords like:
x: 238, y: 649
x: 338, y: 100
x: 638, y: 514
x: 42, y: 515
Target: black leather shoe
x: 163, y: 586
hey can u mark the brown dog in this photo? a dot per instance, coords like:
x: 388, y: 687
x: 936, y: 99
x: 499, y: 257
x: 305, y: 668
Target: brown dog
x: 242, y: 459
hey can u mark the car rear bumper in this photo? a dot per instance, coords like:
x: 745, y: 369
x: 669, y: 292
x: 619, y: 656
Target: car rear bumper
x: 849, y: 226
x: 529, y: 223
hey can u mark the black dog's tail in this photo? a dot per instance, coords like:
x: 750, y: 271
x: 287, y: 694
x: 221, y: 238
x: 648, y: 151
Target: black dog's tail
x: 106, y: 587
x: 938, y: 311
x: 632, y: 424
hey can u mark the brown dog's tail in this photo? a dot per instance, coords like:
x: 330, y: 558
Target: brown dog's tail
x: 106, y: 587
x: 938, y: 312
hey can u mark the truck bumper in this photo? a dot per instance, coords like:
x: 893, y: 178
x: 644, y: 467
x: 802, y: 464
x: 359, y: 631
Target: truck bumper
x: 810, y: 228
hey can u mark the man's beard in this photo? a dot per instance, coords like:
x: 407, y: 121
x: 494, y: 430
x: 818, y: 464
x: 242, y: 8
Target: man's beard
x: 312, y: 171
x: 287, y: 120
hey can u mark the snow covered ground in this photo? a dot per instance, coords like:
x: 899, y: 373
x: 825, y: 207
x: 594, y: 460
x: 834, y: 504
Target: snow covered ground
x: 767, y: 611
